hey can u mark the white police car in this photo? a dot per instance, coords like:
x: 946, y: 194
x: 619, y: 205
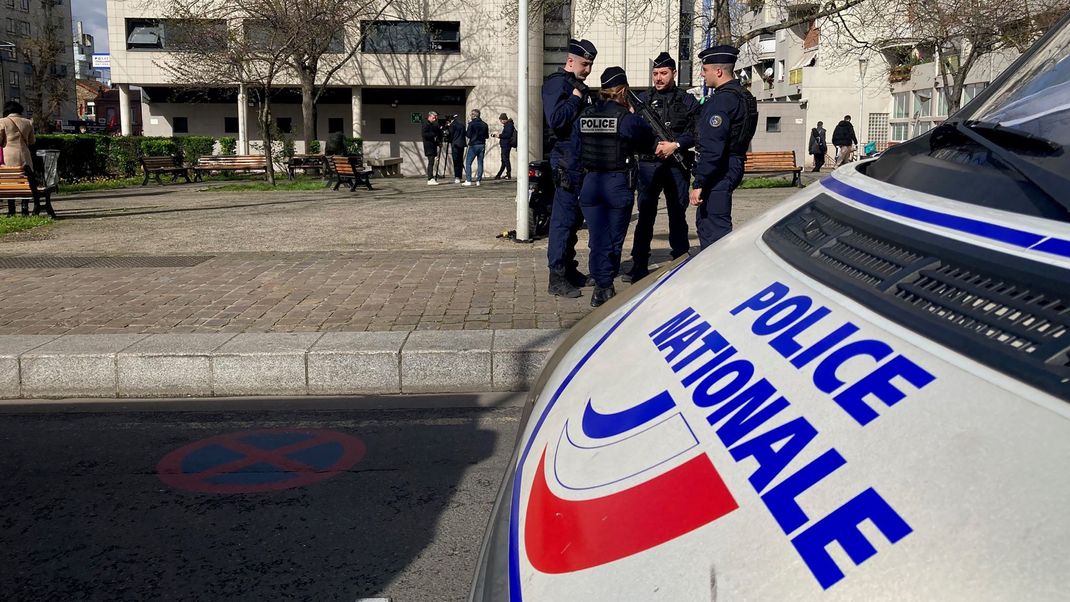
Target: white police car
x: 861, y: 395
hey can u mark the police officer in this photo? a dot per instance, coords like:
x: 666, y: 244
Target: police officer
x: 564, y: 95
x: 725, y: 128
x: 610, y: 133
x: 659, y: 170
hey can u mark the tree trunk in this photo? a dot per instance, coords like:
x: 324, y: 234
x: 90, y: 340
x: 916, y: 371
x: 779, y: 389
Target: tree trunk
x: 308, y: 112
x: 265, y: 127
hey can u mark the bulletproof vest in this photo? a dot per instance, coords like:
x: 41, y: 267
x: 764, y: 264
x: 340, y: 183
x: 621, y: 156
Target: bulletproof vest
x: 671, y: 108
x: 743, y: 129
x: 601, y: 146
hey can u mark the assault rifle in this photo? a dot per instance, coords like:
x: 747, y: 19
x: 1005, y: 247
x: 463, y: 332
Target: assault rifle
x: 660, y: 131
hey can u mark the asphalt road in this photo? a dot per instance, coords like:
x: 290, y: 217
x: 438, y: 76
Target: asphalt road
x: 398, y: 506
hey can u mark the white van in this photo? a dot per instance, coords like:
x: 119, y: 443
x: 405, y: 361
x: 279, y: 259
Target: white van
x: 861, y: 395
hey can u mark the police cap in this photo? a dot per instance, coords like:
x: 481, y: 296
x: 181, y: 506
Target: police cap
x: 719, y: 55
x: 614, y: 76
x: 664, y: 60
x: 584, y: 48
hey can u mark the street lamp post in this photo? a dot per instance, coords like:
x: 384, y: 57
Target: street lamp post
x: 862, y: 64
x: 523, y: 136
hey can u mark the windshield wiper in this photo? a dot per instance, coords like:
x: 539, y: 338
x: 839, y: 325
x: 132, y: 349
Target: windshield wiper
x: 1020, y: 138
x: 1050, y: 184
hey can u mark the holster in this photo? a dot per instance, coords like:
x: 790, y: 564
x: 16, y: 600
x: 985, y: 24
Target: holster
x: 562, y: 179
x: 633, y: 176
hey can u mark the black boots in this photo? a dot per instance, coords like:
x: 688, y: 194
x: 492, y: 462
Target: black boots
x: 637, y: 274
x: 601, y: 295
x: 577, y: 279
x: 560, y: 285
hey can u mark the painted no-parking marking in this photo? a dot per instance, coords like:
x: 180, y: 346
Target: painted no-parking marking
x: 261, y: 460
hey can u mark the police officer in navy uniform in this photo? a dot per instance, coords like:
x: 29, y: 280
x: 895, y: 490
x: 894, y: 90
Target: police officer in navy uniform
x: 659, y: 170
x: 610, y: 134
x: 564, y: 95
x: 725, y: 128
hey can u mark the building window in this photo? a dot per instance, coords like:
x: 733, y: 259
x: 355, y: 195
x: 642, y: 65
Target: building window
x: 902, y: 105
x: 387, y: 126
x: 10, y: 3
x: 923, y: 103
x: 24, y: 28
x: 766, y: 43
x: 14, y: 79
x: 411, y: 37
x: 780, y: 71
x: 922, y: 127
x: 941, y: 102
x: 180, y: 125
x: 230, y: 125
x: 900, y: 131
x: 687, y: 29
x: 969, y: 91
x: 24, y: 5
x: 772, y: 124
x: 12, y: 26
x: 175, y: 34
x: 335, y: 125
x: 285, y: 125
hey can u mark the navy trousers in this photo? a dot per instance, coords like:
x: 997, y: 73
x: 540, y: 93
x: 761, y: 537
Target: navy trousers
x: 606, y: 202
x: 565, y: 221
x: 713, y: 219
x: 458, y: 162
x: 655, y: 177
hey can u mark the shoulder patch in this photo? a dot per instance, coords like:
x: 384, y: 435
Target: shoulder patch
x: 715, y: 121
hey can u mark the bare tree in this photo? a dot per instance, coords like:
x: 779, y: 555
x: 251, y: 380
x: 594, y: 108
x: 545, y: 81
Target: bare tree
x: 955, y: 34
x: 45, y: 53
x: 217, y: 45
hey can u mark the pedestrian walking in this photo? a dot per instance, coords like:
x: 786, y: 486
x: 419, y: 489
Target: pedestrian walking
x: 564, y: 95
x: 660, y: 171
x: 507, y: 141
x: 843, y: 137
x: 432, y: 136
x: 457, y: 146
x: 477, y: 133
x: 818, y: 145
x: 610, y: 135
x: 725, y: 129
x: 16, y: 135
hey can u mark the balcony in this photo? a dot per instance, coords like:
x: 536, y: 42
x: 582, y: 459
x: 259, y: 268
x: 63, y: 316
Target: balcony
x: 767, y: 46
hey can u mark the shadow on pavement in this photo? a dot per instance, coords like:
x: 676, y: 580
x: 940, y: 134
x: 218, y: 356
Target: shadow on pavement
x: 86, y: 517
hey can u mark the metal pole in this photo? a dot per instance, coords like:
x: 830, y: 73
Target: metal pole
x: 522, y: 122
x: 624, y: 39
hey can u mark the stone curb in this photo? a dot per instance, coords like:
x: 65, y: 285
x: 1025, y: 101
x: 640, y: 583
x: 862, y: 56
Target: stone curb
x: 304, y: 363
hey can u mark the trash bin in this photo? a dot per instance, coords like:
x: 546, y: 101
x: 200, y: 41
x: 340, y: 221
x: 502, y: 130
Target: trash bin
x: 49, y: 172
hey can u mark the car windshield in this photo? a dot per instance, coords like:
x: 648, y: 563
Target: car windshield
x: 1037, y: 99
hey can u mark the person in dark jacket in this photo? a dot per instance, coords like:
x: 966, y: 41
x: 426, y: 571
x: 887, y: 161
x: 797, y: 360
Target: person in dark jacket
x: 507, y: 141
x: 843, y: 137
x: 457, y: 146
x: 478, y: 132
x: 818, y: 146
x: 432, y: 135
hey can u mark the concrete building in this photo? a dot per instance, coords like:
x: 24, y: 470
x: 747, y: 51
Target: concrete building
x: 22, y: 22
x: 84, y: 48
x: 464, y: 59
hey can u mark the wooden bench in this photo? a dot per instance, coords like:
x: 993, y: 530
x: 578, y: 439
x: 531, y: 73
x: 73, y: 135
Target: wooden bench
x: 352, y: 170
x: 20, y: 183
x: 163, y: 165
x: 773, y: 163
x: 304, y: 163
x: 388, y: 167
x: 232, y: 163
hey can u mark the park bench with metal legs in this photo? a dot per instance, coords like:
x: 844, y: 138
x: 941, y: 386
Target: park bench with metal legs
x: 155, y: 166
x: 304, y: 163
x: 228, y: 163
x: 20, y: 183
x: 772, y: 163
x: 350, y: 170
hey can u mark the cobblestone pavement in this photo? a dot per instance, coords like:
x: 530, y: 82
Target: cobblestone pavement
x: 404, y: 258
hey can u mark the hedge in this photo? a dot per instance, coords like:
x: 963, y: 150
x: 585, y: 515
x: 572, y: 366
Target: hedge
x: 84, y: 156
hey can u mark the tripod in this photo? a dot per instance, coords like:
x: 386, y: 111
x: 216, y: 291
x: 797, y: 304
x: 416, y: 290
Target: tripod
x: 442, y: 165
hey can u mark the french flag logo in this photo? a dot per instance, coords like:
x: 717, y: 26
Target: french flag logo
x: 581, y: 529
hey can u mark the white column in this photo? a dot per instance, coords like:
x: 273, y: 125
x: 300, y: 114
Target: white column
x: 522, y: 118
x: 243, y: 120
x: 125, y: 116
x: 357, y: 125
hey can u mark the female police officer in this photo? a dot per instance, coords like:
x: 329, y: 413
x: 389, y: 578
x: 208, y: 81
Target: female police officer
x: 610, y: 134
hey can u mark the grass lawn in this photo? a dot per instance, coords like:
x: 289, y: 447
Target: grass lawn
x: 109, y: 184
x: 280, y: 185
x: 16, y: 223
x: 766, y: 183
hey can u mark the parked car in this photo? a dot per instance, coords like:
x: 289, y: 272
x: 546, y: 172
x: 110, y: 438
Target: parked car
x: 860, y: 395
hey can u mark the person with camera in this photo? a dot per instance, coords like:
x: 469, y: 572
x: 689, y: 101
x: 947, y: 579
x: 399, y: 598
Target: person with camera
x: 432, y: 136
x: 610, y: 135
x: 507, y: 141
x: 564, y: 95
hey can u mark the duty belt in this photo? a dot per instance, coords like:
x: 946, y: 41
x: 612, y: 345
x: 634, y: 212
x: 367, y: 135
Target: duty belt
x: 648, y: 158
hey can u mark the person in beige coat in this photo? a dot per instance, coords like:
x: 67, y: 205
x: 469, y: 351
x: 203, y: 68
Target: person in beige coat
x: 16, y: 136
